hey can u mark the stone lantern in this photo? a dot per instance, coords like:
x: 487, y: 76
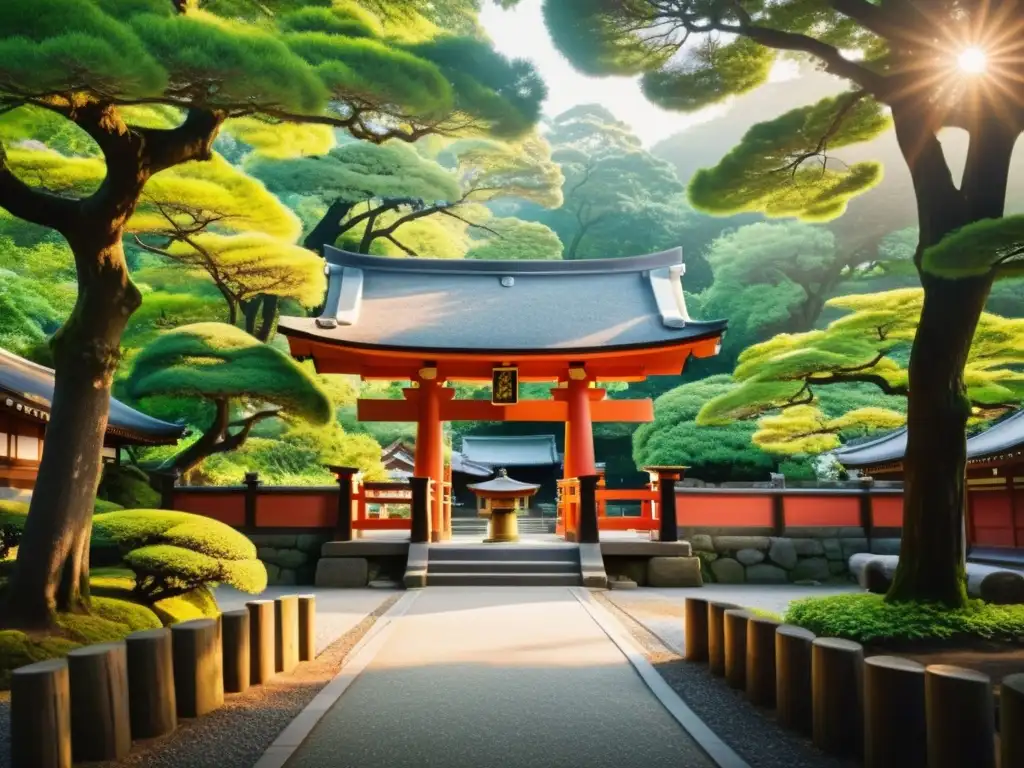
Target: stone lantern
x: 500, y: 500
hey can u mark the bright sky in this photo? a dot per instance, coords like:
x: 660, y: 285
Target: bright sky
x: 520, y: 33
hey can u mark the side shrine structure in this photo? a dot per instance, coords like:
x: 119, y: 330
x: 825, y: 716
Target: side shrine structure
x: 574, y: 324
x: 995, y: 484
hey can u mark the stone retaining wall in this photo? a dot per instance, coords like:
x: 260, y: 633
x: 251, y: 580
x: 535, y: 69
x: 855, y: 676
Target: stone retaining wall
x: 290, y: 558
x: 817, y: 557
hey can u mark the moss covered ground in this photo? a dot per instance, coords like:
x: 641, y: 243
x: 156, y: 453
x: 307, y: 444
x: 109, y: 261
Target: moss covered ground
x: 114, y: 616
x: 868, y: 618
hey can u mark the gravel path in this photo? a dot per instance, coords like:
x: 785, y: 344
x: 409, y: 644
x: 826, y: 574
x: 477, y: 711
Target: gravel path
x: 236, y: 735
x: 337, y: 610
x: 749, y: 730
x: 5, y: 728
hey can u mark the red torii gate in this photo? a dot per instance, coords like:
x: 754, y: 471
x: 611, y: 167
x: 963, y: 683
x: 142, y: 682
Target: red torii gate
x: 574, y: 324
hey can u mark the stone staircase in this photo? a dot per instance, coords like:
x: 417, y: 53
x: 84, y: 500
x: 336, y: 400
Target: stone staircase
x: 511, y: 565
x: 477, y: 526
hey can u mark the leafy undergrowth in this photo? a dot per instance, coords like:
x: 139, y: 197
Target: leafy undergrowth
x: 869, y: 619
x: 114, y: 616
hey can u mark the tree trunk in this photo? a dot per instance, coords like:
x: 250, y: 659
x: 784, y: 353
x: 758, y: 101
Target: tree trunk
x: 329, y: 228
x: 268, y: 317
x: 53, y: 557
x: 931, y: 565
x: 932, y: 554
x: 207, y: 443
x: 250, y: 312
x: 570, y: 252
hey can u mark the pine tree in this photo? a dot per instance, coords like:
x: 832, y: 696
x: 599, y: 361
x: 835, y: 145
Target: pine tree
x: 89, y: 61
x: 901, y: 61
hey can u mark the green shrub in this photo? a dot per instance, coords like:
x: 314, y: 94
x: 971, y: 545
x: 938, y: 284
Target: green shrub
x: 173, y: 553
x: 128, y: 487
x: 868, y: 618
x: 197, y: 604
x: 18, y: 649
x: 13, y: 513
x: 101, y: 505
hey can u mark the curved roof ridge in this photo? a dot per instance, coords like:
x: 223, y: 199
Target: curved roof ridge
x: 32, y: 382
x: 641, y: 263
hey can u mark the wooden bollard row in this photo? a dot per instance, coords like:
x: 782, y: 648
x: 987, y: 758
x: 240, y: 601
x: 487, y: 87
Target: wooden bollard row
x: 91, y: 705
x: 893, y: 712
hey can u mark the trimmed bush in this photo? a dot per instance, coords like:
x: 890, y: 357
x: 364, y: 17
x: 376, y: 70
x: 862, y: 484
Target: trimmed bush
x: 126, y: 487
x: 197, y: 604
x: 18, y: 649
x: 174, y: 553
x: 867, y: 618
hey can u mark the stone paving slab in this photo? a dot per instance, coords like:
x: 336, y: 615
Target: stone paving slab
x: 510, y: 677
x: 337, y: 610
x: 660, y: 610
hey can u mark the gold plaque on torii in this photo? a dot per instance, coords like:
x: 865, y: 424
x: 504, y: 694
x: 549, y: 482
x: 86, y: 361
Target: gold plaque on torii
x: 505, y: 385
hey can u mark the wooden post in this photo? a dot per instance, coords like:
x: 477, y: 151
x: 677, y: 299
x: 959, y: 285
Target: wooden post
x: 588, y: 531
x: 151, y: 683
x: 165, y: 486
x: 235, y: 644
x: 307, y: 627
x: 736, y: 647
x: 958, y: 706
x: 836, y: 695
x: 1011, y: 720
x: 867, y: 519
x: 668, y: 527
x: 793, y: 677
x: 344, y: 476
x: 286, y: 639
x: 695, y: 628
x: 716, y: 636
x: 41, y: 715
x: 761, y: 660
x: 419, y: 532
x: 101, y: 726
x: 778, y: 512
x: 261, y: 640
x: 894, y: 726
x: 198, y: 667
x: 252, y: 489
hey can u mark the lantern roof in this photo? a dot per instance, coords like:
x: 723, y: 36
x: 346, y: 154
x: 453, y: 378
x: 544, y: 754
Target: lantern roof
x: 504, y: 484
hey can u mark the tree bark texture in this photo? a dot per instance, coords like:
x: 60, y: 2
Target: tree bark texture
x: 932, y: 555
x: 52, y: 569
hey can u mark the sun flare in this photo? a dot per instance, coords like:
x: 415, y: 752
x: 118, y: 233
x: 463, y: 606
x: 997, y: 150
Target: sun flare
x: 972, y: 61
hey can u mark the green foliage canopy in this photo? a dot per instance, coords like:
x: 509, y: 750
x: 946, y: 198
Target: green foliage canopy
x: 216, y: 361
x: 173, y: 553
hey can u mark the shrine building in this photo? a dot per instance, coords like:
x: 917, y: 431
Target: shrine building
x: 574, y: 324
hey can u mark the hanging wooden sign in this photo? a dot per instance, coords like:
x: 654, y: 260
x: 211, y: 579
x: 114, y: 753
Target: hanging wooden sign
x: 505, y: 386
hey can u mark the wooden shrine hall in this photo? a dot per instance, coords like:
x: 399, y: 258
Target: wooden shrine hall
x: 574, y: 324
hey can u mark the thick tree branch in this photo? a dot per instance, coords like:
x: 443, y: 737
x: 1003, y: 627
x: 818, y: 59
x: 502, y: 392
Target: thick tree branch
x: 192, y: 140
x: 33, y: 205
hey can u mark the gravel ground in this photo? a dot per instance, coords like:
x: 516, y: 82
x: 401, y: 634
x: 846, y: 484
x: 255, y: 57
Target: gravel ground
x: 749, y: 730
x: 5, y: 728
x: 236, y: 735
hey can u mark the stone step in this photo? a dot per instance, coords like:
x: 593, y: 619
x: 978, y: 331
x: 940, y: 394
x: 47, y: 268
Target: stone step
x: 503, y: 579
x: 503, y: 566
x: 492, y: 552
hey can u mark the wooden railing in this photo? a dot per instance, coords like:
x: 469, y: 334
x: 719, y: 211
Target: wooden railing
x: 646, y: 520
x: 374, y: 503
x: 568, y: 520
